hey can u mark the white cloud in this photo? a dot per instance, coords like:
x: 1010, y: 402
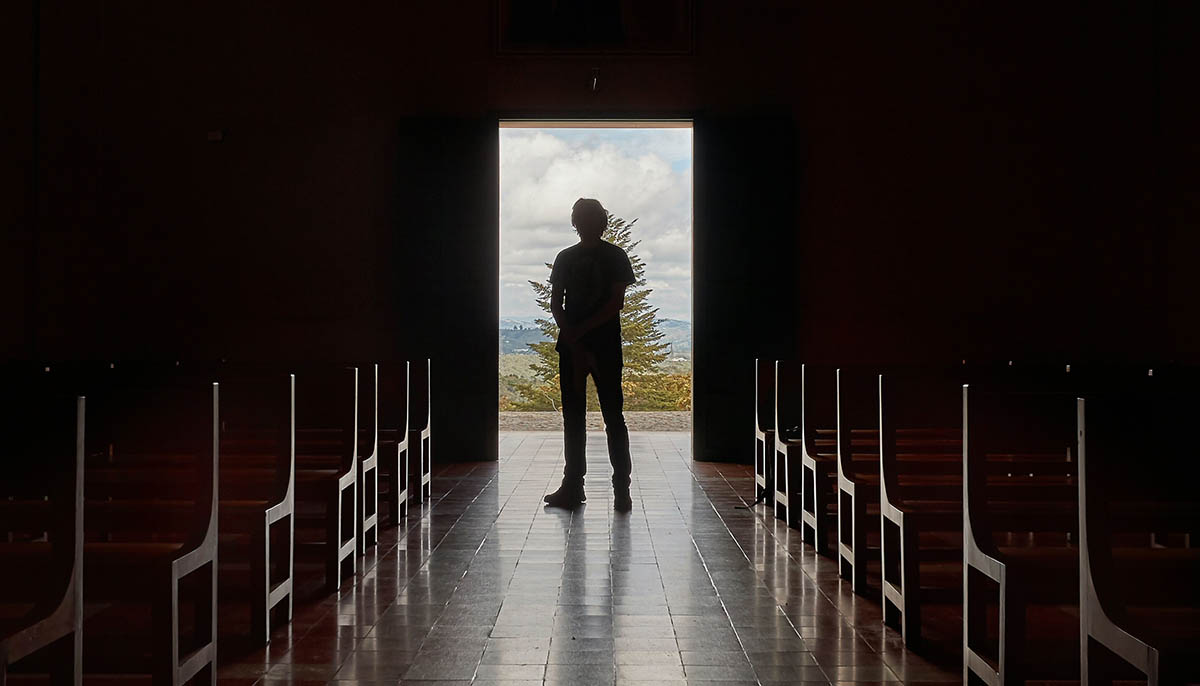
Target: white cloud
x: 636, y: 173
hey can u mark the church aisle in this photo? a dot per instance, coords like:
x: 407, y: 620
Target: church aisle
x: 488, y: 587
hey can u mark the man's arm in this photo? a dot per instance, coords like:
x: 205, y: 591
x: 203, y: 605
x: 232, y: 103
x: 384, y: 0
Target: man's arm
x: 556, y: 304
x: 610, y: 308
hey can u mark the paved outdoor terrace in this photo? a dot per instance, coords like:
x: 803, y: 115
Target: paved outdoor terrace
x: 635, y: 420
x: 485, y: 586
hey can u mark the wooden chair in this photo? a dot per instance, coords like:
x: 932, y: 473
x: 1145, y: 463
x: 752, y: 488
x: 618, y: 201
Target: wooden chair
x: 393, y: 439
x: 258, y: 490
x: 41, y: 520
x: 1139, y: 606
x: 788, y: 439
x: 152, y: 527
x: 327, y: 469
x: 764, y: 430
x: 256, y: 506
x: 818, y: 457
x: 858, y: 521
x: 920, y: 493
x: 1019, y: 521
x: 421, y: 419
x: 368, y: 458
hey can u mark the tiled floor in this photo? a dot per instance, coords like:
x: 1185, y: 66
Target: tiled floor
x: 488, y: 587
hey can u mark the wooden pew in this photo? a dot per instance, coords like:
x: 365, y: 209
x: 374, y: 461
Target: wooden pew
x: 151, y: 527
x: 327, y: 469
x: 764, y: 430
x: 41, y: 521
x: 1139, y: 607
x: 368, y: 457
x: 258, y: 490
x: 421, y: 416
x: 858, y: 522
x: 818, y: 457
x: 393, y: 438
x: 920, y: 493
x: 788, y: 411
x: 1019, y: 519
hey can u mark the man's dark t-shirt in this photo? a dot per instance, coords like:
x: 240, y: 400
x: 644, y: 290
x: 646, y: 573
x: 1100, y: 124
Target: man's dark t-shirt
x: 587, y: 275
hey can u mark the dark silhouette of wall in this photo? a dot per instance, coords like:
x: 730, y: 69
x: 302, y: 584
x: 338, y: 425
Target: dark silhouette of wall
x: 984, y: 180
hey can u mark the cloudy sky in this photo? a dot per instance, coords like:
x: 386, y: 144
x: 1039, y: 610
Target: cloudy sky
x: 643, y: 174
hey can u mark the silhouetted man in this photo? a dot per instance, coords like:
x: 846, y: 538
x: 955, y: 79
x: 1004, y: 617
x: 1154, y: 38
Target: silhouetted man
x: 589, y: 281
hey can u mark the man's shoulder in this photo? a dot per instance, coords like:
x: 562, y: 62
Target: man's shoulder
x: 615, y: 250
x: 567, y: 252
x: 618, y: 259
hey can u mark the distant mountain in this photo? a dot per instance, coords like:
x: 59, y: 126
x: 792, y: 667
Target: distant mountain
x: 677, y: 334
x: 518, y: 322
x: 516, y: 341
x: 516, y: 333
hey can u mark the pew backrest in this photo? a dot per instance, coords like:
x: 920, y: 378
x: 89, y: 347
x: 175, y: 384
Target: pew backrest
x: 1137, y: 478
x: 920, y: 429
x: 42, y: 488
x: 818, y: 403
x: 420, y: 409
x: 327, y: 413
x: 764, y: 395
x: 1017, y: 450
x: 141, y: 423
x: 857, y: 417
x: 258, y: 417
x: 368, y: 411
x: 394, y: 401
x: 788, y: 403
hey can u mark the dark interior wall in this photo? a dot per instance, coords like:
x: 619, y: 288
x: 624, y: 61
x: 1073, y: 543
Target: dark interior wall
x: 1177, y: 184
x: 16, y: 177
x: 980, y: 185
x: 985, y: 180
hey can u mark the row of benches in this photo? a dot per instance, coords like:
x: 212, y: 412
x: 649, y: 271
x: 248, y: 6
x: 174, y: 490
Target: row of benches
x: 1058, y: 506
x: 135, y: 486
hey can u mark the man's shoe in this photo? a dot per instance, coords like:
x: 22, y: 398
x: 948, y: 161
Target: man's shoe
x: 566, y: 497
x: 622, y: 502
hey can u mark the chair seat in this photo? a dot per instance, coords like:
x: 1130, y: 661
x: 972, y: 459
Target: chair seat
x: 126, y: 571
x: 22, y: 552
x: 1175, y: 630
x: 17, y: 515
x: 865, y: 479
x: 241, y: 511
x: 165, y: 517
x: 313, y: 484
x: 248, y: 471
x: 918, y: 508
x: 918, y: 480
x: 311, y: 475
x: 13, y: 618
x: 21, y: 565
x: 1049, y: 574
x: 128, y: 554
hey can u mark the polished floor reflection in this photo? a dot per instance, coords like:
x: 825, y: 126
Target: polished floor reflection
x: 485, y: 586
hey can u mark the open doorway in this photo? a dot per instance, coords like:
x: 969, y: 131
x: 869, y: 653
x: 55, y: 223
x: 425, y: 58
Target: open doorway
x: 641, y: 171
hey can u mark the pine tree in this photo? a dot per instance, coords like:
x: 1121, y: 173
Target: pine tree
x: 645, y: 385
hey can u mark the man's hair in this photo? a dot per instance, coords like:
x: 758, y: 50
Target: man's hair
x: 588, y: 207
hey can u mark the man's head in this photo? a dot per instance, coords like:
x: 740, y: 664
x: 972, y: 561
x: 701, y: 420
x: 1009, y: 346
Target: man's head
x: 589, y: 217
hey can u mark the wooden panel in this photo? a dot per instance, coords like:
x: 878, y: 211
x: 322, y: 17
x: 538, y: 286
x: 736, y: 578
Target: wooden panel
x: 742, y: 262
x: 447, y: 239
